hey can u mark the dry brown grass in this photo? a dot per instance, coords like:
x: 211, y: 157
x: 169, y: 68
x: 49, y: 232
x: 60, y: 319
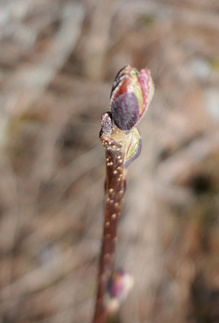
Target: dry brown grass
x: 57, y: 62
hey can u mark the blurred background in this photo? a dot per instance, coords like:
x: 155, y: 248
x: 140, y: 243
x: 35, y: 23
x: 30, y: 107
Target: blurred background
x: 58, y: 59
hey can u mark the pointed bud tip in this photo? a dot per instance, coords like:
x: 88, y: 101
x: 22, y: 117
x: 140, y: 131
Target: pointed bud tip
x: 124, y: 72
x: 106, y: 123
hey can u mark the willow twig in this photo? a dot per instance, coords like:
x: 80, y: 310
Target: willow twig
x: 130, y: 98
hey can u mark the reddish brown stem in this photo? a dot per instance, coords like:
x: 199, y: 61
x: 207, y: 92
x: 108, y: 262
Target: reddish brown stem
x: 114, y: 194
x: 131, y: 94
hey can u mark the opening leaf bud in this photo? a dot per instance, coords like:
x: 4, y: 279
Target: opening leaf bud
x: 131, y: 95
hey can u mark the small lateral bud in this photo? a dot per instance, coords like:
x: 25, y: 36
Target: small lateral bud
x: 133, y: 148
x: 118, y: 289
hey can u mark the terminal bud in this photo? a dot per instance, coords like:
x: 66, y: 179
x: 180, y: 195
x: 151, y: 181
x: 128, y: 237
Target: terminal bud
x: 131, y: 95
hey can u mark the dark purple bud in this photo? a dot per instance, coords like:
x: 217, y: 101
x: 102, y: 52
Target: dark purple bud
x: 125, y: 111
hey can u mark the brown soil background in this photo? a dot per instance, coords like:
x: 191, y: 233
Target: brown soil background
x: 58, y: 60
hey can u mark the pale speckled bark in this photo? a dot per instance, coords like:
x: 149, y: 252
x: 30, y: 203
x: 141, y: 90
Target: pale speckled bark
x: 115, y: 177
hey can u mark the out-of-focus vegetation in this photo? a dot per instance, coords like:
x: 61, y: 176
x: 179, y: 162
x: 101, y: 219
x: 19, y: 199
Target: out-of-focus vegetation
x: 58, y: 59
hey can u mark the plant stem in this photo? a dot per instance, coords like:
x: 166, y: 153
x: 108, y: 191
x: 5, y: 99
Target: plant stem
x: 130, y: 97
x: 115, y: 177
